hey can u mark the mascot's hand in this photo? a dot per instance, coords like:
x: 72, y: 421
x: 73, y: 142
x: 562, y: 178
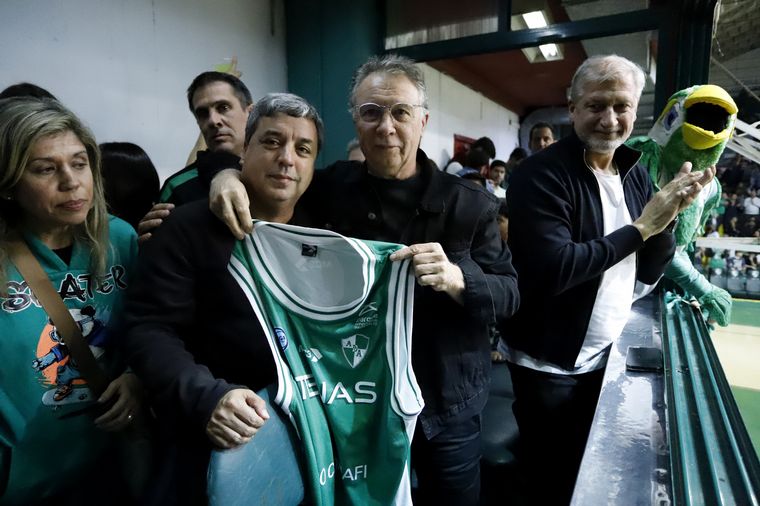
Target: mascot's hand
x: 714, y: 300
x: 717, y: 303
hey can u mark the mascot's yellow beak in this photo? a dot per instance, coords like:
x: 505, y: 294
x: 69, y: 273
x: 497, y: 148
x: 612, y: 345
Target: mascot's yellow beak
x: 699, y: 138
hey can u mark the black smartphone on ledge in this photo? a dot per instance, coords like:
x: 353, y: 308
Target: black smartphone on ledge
x: 643, y: 359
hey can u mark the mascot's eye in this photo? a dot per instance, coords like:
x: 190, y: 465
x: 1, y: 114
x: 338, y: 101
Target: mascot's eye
x: 670, y: 118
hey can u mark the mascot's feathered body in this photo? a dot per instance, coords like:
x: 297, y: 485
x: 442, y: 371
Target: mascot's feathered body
x: 694, y: 127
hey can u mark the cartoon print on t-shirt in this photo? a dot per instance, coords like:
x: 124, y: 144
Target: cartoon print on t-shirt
x: 70, y: 387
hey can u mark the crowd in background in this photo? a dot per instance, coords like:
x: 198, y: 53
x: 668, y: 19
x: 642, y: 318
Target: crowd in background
x: 737, y: 213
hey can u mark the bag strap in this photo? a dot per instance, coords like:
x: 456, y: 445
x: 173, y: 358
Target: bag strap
x: 68, y: 329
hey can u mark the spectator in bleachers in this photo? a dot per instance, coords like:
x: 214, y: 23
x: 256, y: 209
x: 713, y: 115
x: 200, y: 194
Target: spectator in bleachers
x: 716, y: 259
x: 750, y: 227
x: 735, y: 260
x: 710, y: 231
x: 733, y: 175
x: 751, y: 203
x: 751, y: 261
x: 720, y: 211
x: 732, y: 228
x: 754, y: 178
x: 732, y: 208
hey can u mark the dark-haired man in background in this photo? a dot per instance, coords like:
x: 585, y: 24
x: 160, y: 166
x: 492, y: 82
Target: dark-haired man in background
x: 220, y: 104
x: 541, y: 136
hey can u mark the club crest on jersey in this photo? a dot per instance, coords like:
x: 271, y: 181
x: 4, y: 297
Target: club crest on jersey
x: 367, y: 316
x: 281, y: 337
x: 355, y: 348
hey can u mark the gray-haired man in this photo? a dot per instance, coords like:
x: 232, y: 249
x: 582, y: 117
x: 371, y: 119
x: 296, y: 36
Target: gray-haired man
x: 584, y: 225
x: 464, y: 269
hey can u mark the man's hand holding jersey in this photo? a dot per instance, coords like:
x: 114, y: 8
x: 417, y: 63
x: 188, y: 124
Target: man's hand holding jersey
x: 432, y: 268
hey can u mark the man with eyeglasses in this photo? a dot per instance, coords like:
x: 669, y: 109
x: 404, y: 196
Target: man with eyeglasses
x: 464, y: 271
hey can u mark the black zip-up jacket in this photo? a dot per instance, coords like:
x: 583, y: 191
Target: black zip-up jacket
x: 450, y: 343
x: 556, y: 235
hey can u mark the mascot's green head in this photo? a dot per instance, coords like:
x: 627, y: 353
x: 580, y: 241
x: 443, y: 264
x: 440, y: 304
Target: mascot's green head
x: 694, y: 126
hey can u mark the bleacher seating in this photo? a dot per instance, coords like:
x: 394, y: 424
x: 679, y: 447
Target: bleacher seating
x: 753, y: 284
x: 718, y: 277
x: 735, y: 283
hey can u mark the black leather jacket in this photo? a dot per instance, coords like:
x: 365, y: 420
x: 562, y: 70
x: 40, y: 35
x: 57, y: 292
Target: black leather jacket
x: 450, y: 347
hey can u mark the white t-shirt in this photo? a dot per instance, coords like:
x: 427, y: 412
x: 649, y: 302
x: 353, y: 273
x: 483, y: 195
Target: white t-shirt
x: 752, y: 206
x: 614, y: 297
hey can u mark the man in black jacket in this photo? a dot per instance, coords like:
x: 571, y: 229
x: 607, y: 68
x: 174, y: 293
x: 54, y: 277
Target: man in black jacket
x: 462, y: 266
x: 584, y: 226
x: 192, y: 336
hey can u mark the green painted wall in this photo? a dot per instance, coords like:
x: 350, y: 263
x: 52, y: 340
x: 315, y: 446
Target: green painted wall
x: 326, y: 40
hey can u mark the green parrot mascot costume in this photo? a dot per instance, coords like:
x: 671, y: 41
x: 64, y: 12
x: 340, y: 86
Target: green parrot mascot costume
x: 695, y: 126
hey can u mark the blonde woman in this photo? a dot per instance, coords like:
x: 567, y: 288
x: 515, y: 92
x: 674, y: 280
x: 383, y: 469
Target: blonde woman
x: 54, y: 432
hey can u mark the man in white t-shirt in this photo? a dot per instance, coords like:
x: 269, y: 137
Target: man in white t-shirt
x: 752, y: 203
x: 584, y: 227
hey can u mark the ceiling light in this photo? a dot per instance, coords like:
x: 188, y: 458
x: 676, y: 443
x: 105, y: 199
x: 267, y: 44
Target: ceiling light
x: 534, y: 19
x: 550, y: 51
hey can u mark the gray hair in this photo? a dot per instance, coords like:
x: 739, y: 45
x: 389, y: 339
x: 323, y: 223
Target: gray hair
x: 390, y: 64
x: 288, y: 104
x: 606, y: 68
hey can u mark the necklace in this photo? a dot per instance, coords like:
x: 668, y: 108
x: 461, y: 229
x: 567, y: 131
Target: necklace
x: 613, y: 166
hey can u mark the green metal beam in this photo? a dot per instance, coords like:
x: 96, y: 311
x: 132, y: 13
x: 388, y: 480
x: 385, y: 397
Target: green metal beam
x: 505, y: 15
x: 684, y: 48
x: 605, y: 26
x: 326, y: 41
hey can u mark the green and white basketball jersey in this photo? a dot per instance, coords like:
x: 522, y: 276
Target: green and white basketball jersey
x: 338, y: 316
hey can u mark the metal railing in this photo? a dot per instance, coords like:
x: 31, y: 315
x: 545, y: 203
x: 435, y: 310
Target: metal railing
x: 712, y: 457
x: 671, y: 435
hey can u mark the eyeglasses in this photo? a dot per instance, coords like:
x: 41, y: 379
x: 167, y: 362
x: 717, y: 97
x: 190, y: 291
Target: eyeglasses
x: 373, y: 113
